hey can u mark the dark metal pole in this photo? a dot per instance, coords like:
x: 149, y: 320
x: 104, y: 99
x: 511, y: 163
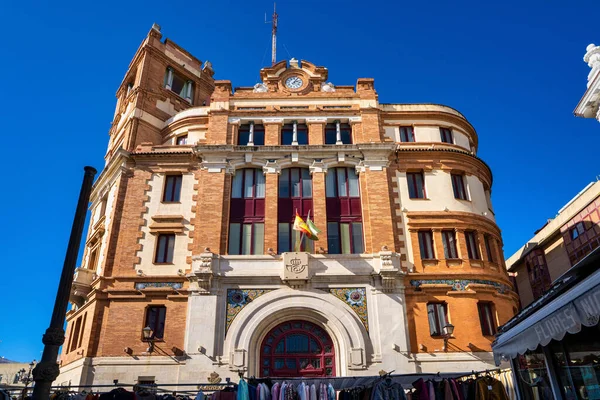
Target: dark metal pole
x: 47, y: 370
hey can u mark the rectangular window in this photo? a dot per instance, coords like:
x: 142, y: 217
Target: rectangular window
x: 287, y: 239
x: 181, y: 140
x: 437, y: 314
x: 407, y: 134
x: 426, y: 245
x: 345, y: 238
x: 446, y: 135
x: 248, y: 183
x: 486, y: 318
x: 165, y: 248
x: 155, y: 319
x: 172, y: 192
x: 416, y: 185
x: 449, y: 240
x: 472, y: 245
x: 488, y: 247
x: 93, y: 258
x: 331, y: 134
x: 458, y: 186
x: 75, y: 335
x: 82, y: 330
x: 287, y: 134
x: 246, y: 239
x: 179, y: 85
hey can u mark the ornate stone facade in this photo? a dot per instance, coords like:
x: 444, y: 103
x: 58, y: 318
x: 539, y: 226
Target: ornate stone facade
x: 192, y: 217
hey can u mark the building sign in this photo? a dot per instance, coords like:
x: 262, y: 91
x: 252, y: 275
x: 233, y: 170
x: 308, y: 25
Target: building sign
x: 295, y: 266
x: 576, y: 311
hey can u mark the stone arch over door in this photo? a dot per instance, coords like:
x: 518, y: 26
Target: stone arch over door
x: 247, y: 332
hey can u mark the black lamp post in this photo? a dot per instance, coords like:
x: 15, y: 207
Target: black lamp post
x: 47, y: 370
x: 147, y: 335
x: 448, y: 331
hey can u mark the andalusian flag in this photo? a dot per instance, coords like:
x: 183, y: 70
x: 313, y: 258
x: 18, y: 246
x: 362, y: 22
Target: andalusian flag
x: 313, y: 229
x: 308, y: 228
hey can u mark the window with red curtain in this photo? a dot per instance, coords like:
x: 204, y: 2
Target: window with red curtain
x: 344, y: 213
x: 472, y: 245
x: 486, y: 318
x: 426, y: 244
x: 446, y: 135
x: 295, y: 194
x: 247, y: 212
x: 449, y: 241
x: 458, y: 186
x: 416, y: 185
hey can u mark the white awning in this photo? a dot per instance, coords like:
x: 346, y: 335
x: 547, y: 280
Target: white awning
x: 567, y: 313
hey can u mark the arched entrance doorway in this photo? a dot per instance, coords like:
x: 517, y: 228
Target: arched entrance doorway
x: 297, y: 348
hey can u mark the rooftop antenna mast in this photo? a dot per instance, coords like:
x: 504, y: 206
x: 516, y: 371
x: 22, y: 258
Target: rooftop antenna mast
x: 273, y: 34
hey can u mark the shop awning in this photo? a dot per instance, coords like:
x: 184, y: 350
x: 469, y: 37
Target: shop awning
x: 578, y: 306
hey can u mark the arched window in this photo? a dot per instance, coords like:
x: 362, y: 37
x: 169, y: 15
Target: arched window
x: 297, y: 348
x: 247, y: 212
x: 344, y: 213
x: 295, y: 194
x: 251, y: 134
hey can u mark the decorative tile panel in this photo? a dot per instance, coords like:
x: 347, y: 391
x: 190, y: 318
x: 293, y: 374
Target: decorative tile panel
x: 461, y: 284
x: 145, y: 285
x: 237, y: 299
x: 356, y: 298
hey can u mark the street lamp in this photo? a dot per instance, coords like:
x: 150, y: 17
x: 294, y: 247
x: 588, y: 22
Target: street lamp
x: 448, y: 331
x: 26, y: 378
x: 147, y: 335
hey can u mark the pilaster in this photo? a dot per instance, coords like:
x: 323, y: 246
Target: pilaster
x: 272, y: 131
x: 438, y: 244
x: 316, y: 130
x: 461, y: 244
x: 271, y: 220
x: 320, y: 208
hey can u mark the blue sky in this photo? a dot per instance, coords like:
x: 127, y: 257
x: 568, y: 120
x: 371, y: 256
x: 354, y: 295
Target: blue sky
x: 514, y: 68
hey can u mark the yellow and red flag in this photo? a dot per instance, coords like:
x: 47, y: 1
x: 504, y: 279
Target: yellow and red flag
x: 300, y: 225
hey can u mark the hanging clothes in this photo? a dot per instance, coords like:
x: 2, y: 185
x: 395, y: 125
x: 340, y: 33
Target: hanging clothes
x: 489, y: 388
x: 243, y: 390
x: 387, y: 390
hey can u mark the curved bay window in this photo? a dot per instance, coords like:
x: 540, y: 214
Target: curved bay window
x: 294, y: 134
x: 247, y: 212
x: 338, y: 133
x: 295, y: 194
x: 251, y: 135
x: 344, y: 213
x: 297, y: 348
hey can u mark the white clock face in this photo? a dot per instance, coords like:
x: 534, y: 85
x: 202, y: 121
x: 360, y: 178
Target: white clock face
x: 293, y: 82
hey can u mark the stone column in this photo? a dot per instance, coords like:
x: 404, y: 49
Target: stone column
x: 271, y: 221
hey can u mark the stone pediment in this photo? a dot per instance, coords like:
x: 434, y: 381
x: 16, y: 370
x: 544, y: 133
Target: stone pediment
x: 295, y: 76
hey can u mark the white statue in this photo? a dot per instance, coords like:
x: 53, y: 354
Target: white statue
x: 260, y: 88
x: 327, y: 87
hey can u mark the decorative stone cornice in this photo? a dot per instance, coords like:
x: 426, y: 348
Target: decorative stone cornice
x: 272, y: 120
x: 390, y: 270
x: 202, y: 272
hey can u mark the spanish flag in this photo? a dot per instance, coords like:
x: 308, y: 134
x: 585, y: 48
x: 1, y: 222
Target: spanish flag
x: 300, y: 225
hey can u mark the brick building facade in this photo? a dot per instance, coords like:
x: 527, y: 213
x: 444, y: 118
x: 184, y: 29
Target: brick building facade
x: 191, y: 233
